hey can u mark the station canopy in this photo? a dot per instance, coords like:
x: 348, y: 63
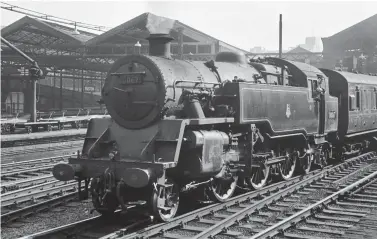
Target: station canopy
x: 121, y: 39
x: 62, y: 47
x: 50, y: 44
x: 362, y: 35
x: 30, y: 31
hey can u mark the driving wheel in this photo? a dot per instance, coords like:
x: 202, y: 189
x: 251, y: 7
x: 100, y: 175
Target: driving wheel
x: 259, y: 176
x: 287, y: 167
x: 221, y: 189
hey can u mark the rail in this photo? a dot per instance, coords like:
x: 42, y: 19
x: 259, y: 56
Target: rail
x: 241, y: 207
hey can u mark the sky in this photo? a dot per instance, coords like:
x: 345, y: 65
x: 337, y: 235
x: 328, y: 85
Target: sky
x: 244, y: 24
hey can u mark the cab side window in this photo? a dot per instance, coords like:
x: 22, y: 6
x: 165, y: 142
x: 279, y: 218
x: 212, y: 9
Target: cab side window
x: 314, y: 86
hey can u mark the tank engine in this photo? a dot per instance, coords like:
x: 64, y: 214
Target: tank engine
x: 201, y: 128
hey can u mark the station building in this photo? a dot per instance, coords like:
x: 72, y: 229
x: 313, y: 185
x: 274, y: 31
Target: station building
x: 353, y: 49
x: 75, y: 62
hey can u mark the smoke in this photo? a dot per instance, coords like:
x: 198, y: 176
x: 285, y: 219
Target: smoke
x: 159, y: 25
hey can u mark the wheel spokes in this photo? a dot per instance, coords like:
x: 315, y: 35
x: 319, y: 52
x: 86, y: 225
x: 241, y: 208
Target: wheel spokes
x: 287, y: 167
x: 259, y: 177
x: 223, y: 189
x: 165, y: 202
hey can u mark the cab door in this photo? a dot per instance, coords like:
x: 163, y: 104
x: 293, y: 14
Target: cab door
x: 318, y: 89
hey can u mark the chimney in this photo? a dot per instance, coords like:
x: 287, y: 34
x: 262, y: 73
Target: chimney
x: 159, y: 45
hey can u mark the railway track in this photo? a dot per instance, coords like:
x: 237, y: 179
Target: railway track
x: 84, y: 229
x: 24, y: 183
x: 35, y: 141
x: 26, y: 201
x: 16, y: 151
x: 243, y: 216
x: 28, y: 187
x: 34, y: 193
x: 26, y: 169
x: 331, y: 216
x: 95, y: 227
x: 253, y: 212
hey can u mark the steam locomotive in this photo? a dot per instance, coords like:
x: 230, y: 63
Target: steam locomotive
x: 203, y: 128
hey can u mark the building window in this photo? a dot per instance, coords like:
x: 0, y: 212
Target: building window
x: 144, y: 50
x: 189, y: 48
x: 174, y: 49
x: 204, y: 49
x: 130, y: 50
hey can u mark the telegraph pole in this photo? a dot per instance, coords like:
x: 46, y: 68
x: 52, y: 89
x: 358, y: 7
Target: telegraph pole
x: 280, y: 36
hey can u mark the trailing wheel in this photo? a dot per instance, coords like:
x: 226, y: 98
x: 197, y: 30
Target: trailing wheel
x: 287, y: 167
x: 104, y: 202
x: 259, y: 176
x: 221, y: 189
x: 165, y: 201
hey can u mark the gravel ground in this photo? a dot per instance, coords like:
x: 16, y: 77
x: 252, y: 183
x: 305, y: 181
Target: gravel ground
x: 62, y: 215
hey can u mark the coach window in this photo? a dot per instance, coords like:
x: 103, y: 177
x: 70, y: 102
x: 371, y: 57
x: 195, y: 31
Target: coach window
x: 352, y: 103
x: 374, y: 98
x: 358, y: 99
x: 365, y: 102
